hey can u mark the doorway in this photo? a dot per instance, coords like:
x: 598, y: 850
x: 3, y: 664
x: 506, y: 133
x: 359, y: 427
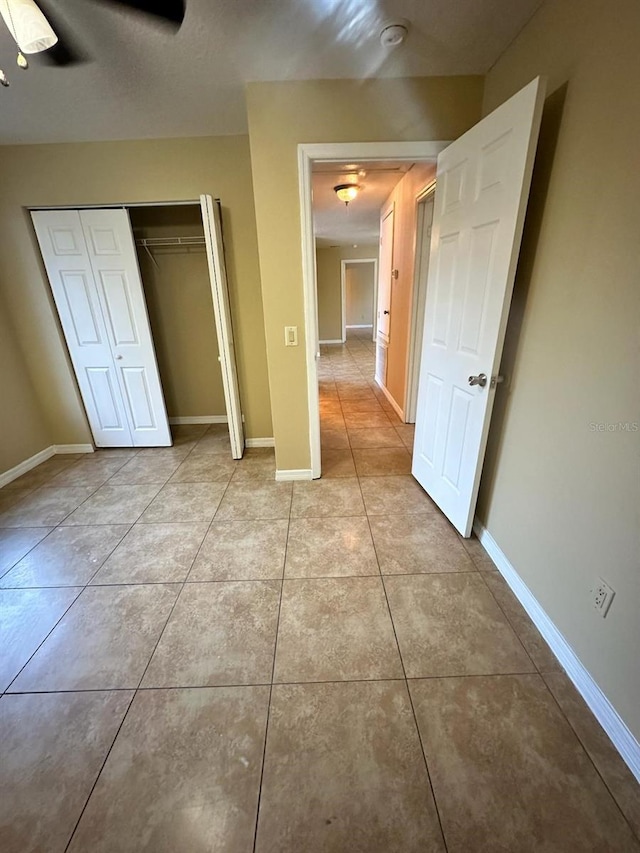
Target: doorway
x: 319, y: 158
x: 359, y: 287
x: 356, y: 253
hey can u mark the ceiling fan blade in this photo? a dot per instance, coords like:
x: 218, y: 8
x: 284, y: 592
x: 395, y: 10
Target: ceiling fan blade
x: 171, y: 11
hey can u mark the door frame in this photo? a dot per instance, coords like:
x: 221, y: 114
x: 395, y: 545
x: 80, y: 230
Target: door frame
x: 344, y: 263
x: 195, y: 202
x: 417, y: 306
x: 308, y: 153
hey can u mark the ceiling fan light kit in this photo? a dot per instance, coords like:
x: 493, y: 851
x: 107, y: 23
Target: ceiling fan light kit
x: 32, y: 32
x: 30, y: 29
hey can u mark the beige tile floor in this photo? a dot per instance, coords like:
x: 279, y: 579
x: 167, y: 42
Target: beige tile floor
x: 196, y: 658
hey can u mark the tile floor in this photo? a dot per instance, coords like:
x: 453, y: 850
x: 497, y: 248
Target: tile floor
x: 197, y: 658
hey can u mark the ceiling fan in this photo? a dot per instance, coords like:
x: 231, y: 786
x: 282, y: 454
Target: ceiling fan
x: 35, y: 33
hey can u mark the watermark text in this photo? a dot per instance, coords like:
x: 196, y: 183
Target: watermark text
x: 615, y: 426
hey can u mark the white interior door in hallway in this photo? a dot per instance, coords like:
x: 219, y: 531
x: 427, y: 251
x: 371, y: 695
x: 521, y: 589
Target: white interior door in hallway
x: 482, y: 188
x: 383, y: 308
x: 423, y: 248
x: 93, y: 270
x: 385, y: 273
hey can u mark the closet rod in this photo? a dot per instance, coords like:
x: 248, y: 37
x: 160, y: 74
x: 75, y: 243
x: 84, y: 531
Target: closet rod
x: 152, y: 242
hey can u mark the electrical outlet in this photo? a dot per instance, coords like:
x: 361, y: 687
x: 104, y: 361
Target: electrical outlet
x: 602, y: 596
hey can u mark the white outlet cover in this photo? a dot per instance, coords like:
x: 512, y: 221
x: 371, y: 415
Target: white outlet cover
x: 601, y: 596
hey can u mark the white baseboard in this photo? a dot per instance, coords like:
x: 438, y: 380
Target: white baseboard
x: 395, y: 406
x: 200, y: 419
x: 602, y: 709
x: 337, y: 341
x: 260, y: 442
x: 283, y: 476
x: 40, y: 457
x: 366, y: 326
x: 22, y: 467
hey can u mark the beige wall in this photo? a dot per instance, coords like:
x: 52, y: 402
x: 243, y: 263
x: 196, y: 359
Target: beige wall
x: 178, y: 295
x: 329, y: 291
x: 23, y: 430
x: 102, y: 173
x: 405, y: 214
x: 281, y: 115
x: 359, y: 287
x: 561, y: 499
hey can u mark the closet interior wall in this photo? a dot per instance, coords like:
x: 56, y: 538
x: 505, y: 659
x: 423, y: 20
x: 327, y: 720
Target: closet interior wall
x: 178, y: 295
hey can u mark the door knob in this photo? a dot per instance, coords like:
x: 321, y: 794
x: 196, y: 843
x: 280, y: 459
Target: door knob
x: 118, y: 357
x: 480, y: 379
x: 385, y: 312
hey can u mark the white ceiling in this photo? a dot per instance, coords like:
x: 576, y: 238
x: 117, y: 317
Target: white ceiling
x: 359, y: 223
x: 145, y: 81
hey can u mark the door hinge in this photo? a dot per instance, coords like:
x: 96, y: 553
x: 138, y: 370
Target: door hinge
x: 394, y: 274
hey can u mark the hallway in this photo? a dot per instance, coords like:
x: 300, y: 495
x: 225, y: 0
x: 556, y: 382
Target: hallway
x: 360, y: 431
x: 195, y: 657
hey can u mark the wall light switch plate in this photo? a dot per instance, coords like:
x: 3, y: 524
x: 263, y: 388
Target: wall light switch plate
x: 291, y: 336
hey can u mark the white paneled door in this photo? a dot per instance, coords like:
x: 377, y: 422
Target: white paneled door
x: 385, y: 272
x: 481, y: 195
x: 93, y: 271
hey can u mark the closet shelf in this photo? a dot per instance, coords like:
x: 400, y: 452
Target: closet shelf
x: 157, y: 242
x: 149, y: 243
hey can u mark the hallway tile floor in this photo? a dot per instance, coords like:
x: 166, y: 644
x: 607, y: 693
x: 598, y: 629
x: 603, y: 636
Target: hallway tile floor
x: 194, y: 657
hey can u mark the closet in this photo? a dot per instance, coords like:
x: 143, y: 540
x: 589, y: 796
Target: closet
x: 175, y: 279
x: 142, y: 297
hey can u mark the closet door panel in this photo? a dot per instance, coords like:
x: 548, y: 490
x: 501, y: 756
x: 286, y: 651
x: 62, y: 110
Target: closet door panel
x: 82, y: 313
x: 70, y: 274
x: 139, y: 398
x: 115, y: 265
x: 121, y: 324
x: 105, y: 396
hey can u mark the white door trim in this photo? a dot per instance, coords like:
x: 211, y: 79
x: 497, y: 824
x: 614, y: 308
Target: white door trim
x: 344, y: 263
x: 327, y: 152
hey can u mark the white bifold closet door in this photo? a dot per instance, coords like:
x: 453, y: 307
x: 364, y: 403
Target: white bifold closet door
x: 92, y: 267
x: 212, y: 222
